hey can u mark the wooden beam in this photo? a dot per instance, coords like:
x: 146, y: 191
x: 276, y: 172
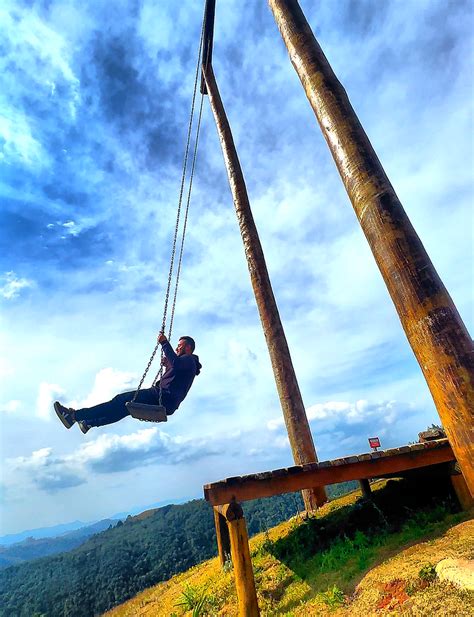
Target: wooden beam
x: 299, y: 477
x: 294, y: 413
x: 439, y: 339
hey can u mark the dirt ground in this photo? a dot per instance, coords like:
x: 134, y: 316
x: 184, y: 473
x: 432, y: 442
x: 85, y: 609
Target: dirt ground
x: 395, y: 585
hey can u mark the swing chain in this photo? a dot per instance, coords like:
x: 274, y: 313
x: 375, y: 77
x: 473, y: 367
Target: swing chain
x: 175, y: 237
x: 181, y: 250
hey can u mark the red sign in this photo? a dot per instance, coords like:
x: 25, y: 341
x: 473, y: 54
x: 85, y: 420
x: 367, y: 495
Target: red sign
x: 374, y: 442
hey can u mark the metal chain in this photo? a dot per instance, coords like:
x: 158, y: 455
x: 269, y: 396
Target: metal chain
x: 183, y: 236
x: 178, y: 271
x: 196, y: 143
x: 173, y: 251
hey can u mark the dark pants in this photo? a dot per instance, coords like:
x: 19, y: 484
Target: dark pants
x: 115, y: 410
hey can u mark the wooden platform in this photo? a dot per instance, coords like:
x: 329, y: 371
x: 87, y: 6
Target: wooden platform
x: 383, y: 463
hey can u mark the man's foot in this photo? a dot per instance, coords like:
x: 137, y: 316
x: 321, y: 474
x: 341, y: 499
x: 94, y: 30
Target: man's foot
x: 64, y: 414
x: 83, y: 426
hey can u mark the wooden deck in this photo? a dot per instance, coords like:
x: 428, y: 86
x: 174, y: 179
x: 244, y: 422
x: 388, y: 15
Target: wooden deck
x: 363, y: 466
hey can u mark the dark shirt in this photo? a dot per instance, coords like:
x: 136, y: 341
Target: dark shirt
x: 178, y: 377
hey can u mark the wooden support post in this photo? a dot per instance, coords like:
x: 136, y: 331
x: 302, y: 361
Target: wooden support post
x: 207, y: 37
x: 240, y: 551
x: 439, y: 339
x: 294, y: 413
x: 466, y: 501
x: 222, y: 535
x: 365, y: 488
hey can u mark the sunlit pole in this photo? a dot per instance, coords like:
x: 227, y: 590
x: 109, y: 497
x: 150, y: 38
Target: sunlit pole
x: 297, y: 425
x: 434, y: 328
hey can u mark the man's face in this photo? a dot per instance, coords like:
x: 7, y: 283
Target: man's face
x: 183, y: 348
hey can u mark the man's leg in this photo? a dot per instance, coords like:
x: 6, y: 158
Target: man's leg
x: 115, y: 410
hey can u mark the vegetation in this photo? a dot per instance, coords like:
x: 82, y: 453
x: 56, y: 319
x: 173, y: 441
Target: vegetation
x: 118, y: 563
x: 312, y: 566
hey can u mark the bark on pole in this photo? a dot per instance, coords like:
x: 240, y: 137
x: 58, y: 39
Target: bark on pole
x: 291, y: 401
x: 434, y: 328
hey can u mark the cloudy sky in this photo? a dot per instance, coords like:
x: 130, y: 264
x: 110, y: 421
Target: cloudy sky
x: 94, y: 105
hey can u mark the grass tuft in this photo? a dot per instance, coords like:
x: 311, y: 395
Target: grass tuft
x: 333, y: 597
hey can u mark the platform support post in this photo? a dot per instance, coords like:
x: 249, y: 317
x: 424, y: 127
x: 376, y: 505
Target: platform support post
x: 233, y: 514
x: 222, y: 535
x: 365, y: 488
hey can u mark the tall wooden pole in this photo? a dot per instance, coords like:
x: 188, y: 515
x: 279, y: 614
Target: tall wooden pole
x: 291, y: 401
x: 434, y: 328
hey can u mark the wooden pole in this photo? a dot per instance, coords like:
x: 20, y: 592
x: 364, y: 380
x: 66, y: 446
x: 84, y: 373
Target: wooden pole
x: 222, y: 535
x: 365, y: 488
x: 434, y: 328
x: 466, y: 501
x: 207, y: 37
x: 240, y: 551
x: 297, y: 425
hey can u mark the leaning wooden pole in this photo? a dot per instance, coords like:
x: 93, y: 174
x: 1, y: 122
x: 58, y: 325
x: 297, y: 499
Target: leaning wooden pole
x: 291, y: 401
x: 434, y: 328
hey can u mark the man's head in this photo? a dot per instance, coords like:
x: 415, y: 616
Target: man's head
x: 185, y: 346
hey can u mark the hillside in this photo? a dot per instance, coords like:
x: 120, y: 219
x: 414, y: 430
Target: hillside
x: 353, y: 558
x: 114, y: 565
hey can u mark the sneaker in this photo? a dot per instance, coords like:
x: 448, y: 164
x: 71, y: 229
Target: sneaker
x: 64, y: 414
x: 83, y: 426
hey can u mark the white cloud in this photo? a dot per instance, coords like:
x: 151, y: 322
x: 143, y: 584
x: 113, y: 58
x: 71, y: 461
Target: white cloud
x: 18, y: 139
x: 108, y: 382
x: 11, y: 285
x: 10, y: 406
x: 344, y: 412
x: 44, y: 401
x: 108, y: 453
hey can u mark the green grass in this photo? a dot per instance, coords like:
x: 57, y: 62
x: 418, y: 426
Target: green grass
x: 333, y: 597
x: 339, y: 548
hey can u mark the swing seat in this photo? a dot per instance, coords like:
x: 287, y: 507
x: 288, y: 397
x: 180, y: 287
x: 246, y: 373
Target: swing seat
x: 147, y: 413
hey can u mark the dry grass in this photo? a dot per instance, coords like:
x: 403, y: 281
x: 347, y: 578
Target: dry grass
x: 393, y: 586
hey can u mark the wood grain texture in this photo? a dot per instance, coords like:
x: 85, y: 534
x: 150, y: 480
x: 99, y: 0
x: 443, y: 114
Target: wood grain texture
x: 294, y: 412
x: 222, y: 536
x: 463, y: 494
x: 439, y: 339
x: 243, y: 571
x: 370, y: 465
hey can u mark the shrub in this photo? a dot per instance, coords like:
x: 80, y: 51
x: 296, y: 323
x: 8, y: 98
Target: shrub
x: 427, y: 573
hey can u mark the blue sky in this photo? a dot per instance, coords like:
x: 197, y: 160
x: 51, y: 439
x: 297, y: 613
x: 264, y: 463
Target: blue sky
x: 94, y: 103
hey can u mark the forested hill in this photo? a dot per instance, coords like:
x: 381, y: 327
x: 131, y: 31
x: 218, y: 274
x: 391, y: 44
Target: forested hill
x: 114, y: 565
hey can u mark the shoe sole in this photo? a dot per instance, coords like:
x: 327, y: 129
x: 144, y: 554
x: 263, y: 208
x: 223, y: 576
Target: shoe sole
x: 61, y: 416
x: 84, y: 431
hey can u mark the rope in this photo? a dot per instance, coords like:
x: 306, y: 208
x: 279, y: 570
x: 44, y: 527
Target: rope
x: 175, y: 236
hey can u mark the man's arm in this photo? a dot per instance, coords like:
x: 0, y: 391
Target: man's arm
x: 167, y: 349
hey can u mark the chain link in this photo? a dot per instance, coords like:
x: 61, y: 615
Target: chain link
x: 175, y: 236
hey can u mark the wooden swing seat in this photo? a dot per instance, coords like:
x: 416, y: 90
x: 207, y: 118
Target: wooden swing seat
x: 147, y: 413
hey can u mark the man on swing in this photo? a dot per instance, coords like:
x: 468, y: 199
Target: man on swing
x: 180, y: 369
